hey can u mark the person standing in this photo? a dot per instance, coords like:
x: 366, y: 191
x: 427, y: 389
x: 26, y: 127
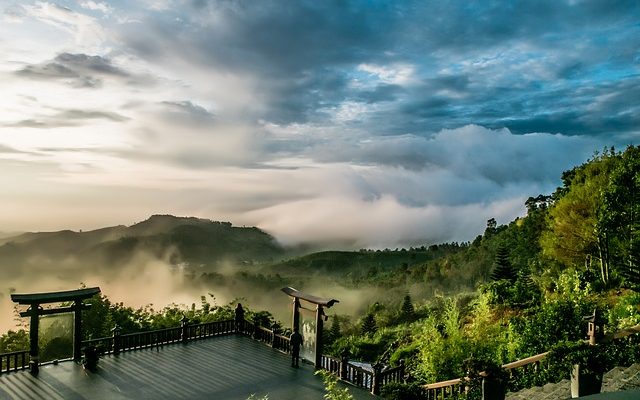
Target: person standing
x: 239, y: 318
x: 296, y: 341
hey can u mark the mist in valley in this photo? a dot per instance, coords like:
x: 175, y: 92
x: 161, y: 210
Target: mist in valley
x: 156, y: 282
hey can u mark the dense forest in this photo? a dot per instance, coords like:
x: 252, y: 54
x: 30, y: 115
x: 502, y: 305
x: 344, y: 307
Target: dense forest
x: 514, y: 291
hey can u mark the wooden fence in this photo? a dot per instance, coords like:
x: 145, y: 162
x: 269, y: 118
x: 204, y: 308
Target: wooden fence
x: 14, y: 361
x: 372, y: 380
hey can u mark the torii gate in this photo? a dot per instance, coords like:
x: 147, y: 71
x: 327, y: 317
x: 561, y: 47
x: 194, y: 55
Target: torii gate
x: 34, y: 300
x: 320, y: 316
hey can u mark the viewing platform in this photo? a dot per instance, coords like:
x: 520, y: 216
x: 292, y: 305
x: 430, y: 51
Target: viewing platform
x: 224, y: 359
x: 229, y: 367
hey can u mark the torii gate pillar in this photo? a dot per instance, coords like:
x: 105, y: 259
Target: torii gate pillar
x: 320, y: 303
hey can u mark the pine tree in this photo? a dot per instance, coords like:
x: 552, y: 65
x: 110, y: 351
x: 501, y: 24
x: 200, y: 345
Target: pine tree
x: 503, y: 268
x: 368, y: 324
x: 334, y: 331
x: 406, y: 310
x: 631, y: 271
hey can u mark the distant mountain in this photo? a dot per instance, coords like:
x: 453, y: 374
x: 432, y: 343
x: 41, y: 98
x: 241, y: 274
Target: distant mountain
x: 175, y: 240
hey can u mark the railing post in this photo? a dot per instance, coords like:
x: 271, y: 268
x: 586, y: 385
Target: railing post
x: 402, y: 371
x: 184, y: 324
x: 375, y: 384
x: 344, y: 362
x: 116, y: 332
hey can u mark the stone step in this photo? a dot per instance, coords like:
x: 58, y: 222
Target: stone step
x: 617, y: 379
x: 628, y: 378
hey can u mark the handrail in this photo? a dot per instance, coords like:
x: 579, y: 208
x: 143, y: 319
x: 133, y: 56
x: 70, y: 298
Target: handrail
x: 359, y: 376
x: 439, y: 385
x: 525, y: 361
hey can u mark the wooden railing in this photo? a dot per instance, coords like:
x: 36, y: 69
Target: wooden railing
x: 524, y: 373
x: 266, y: 336
x: 184, y: 333
x: 454, y: 387
x: 331, y: 364
x: 209, y: 329
x: 392, y: 375
x: 359, y: 377
x: 142, y: 340
x: 14, y: 361
x: 105, y: 344
x: 445, y: 389
x: 281, y: 343
x: 372, y: 381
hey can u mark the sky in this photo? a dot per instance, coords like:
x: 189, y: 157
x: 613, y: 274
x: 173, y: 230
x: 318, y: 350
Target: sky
x: 344, y: 123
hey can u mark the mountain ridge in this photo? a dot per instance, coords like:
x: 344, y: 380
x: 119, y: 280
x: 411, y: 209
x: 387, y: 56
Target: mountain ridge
x: 191, y: 240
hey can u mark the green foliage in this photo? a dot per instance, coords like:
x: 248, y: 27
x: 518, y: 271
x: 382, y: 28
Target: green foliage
x: 619, y: 216
x: 333, y: 333
x: 594, y: 221
x: 402, y: 391
x: 368, y: 325
x: 407, y: 312
x: 564, y: 355
x: 443, y: 345
x: 14, y: 341
x: 520, y: 294
x: 333, y: 392
x: 367, y: 348
x: 503, y: 268
x: 626, y: 312
x: 556, y: 320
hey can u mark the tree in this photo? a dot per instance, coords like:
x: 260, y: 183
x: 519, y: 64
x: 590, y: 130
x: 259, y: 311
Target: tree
x: 334, y: 331
x: 575, y: 236
x: 491, y: 227
x: 407, y: 311
x: 619, y: 215
x: 503, y: 268
x: 368, y: 325
x: 631, y: 273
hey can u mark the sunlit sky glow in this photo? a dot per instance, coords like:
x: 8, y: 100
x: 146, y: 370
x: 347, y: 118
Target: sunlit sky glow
x: 369, y: 123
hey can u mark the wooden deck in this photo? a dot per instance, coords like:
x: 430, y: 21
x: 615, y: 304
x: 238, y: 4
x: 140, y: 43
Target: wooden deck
x: 228, y: 367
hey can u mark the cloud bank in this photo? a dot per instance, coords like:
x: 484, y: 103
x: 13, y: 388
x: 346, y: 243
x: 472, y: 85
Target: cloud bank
x: 342, y: 123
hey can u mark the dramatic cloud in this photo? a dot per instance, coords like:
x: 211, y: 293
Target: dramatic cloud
x: 78, y: 69
x: 345, y: 122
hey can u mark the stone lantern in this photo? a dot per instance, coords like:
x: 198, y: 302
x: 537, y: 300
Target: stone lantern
x: 595, y: 327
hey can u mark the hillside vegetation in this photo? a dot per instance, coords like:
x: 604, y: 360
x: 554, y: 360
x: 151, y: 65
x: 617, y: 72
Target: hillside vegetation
x: 534, y: 280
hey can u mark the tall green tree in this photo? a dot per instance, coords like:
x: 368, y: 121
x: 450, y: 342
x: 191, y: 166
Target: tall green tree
x: 368, y: 325
x: 575, y: 236
x: 503, y: 268
x: 619, y: 216
x: 407, y: 312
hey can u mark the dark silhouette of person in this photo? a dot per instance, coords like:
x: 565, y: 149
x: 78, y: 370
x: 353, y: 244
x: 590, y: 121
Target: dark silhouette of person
x: 296, y: 341
x: 239, y: 319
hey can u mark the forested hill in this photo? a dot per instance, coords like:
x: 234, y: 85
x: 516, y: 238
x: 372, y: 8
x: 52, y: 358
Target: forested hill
x: 591, y: 223
x: 173, y: 239
x: 576, y: 250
